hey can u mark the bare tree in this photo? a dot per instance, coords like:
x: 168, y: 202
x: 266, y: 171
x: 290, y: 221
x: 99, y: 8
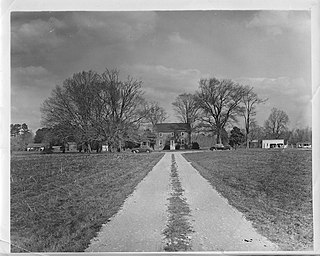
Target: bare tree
x: 249, y: 100
x: 122, y: 107
x: 187, y: 110
x: 220, y: 100
x: 155, y: 114
x: 256, y: 131
x: 276, y: 124
x: 91, y: 107
x: 70, y: 106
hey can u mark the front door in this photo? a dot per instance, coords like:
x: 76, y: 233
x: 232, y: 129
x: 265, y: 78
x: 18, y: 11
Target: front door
x: 172, y: 145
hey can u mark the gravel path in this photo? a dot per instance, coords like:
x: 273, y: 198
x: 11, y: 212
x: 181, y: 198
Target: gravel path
x: 217, y: 225
x: 139, y: 226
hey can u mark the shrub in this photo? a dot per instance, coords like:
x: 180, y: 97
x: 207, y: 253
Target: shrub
x: 166, y: 147
x: 195, y: 145
x: 47, y: 151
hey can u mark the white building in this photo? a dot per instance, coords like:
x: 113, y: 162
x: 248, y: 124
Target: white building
x: 273, y: 143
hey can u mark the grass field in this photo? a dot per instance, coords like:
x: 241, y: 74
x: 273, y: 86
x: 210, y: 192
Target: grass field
x: 272, y: 188
x: 60, y: 201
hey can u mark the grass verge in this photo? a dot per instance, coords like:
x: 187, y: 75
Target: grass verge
x: 272, y: 188
x: 178, y: 230
x: 60, y: 201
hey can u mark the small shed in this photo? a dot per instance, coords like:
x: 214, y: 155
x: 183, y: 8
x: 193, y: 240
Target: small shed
x: 56, y: 149
x: 277, y: 143
x: 71, y: 146
x: 255, y: 144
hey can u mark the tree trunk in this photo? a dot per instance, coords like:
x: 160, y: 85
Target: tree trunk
x: 89, y: 148
x: 218, y: 137
x: 247, y: 140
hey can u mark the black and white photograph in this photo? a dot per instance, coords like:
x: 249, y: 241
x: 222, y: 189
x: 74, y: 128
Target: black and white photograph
x: 161, y: 130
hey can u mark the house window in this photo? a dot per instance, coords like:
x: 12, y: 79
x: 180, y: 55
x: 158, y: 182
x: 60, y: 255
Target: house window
x: 160, y: 134
x: 182, y: 133
x: 182, y: 141
x: 172, y: 134
x: 160, y: 143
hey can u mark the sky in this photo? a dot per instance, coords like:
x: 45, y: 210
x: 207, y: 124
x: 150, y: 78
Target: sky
x: 170, y: 51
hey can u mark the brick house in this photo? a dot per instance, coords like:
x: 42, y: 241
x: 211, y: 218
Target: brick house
x: 172, y: 135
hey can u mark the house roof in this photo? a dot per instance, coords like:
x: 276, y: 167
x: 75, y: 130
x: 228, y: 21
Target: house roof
x: 273, y: 140
x: 171, y: 127
x: 32, y: 145
x: 71, y: 143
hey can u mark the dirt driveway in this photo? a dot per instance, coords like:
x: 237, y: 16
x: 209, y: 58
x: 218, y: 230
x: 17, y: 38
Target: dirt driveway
x: 139, y: 225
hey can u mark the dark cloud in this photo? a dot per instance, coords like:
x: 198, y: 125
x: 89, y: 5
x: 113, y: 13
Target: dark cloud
x: 292, y: 95
x: 169, y: 51
x: 49, y: 39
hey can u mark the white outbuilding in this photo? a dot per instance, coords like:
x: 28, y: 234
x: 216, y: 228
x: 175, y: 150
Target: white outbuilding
x: 273, y: 143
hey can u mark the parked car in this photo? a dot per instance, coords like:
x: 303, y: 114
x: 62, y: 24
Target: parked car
x: 142, y: 149
x: 220, y: 147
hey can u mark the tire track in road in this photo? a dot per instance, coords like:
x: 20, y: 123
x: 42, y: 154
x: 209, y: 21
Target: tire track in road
x: 178, y: 230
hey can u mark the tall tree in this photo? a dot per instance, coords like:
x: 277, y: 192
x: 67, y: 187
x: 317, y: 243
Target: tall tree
x: 276, y: 124
x: 21, y: 136
x: 42, y: 135
x: 187, y: 110
x: 91, y: 107
x: 18, y: 129
x: 300, y: 135
x: 249, y: 100
x: 71, y: 106
x: 220, y: 100
x: 54, y: 136
x: 256, y: 132
x: 122, y: 107
x: 155, y: 114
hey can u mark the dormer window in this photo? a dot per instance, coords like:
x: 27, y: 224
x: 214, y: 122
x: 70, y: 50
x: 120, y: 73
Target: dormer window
x: 182, y: 133
x: 160, y: 134
x: 172, y: 134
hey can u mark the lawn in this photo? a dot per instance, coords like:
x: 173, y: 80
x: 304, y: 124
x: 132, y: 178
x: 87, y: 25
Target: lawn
x: 60, y: 201
x: 272, y: 188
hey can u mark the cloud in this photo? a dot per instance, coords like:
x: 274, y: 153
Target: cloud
x: 30, y: 86
x: 48, y: 39
x: 32, y: 78
x: 166, y: 79
x: 175, y: 38
x: 35, y: 36
x: 276, y: 22
x: 113, y: 27
x: 163, y: 84
x: 292, y: 95
x: 30, y: 71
